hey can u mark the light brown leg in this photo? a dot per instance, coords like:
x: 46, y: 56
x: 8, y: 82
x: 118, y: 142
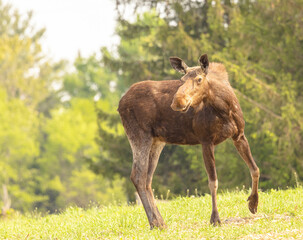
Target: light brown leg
x: 209, y: 161
x: 244, y: 151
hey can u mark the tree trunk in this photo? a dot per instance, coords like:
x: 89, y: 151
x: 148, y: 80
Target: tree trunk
x: 6, y: 201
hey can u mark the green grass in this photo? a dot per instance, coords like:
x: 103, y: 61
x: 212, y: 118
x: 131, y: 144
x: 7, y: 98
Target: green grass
x: 280, y: 216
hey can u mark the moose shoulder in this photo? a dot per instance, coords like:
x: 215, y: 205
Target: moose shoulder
x: 200, y: 108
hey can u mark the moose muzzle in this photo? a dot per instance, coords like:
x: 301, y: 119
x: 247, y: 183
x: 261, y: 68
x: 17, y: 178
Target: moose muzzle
x: 181, y: 103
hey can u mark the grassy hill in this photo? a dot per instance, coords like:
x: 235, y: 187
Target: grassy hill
x: 280, y: 216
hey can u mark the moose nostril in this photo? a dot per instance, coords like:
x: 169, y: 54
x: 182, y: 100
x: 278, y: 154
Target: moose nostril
x: 182, y: 106
x: 174, y: 107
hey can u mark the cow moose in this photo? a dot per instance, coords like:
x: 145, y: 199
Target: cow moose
x: 200, y: 108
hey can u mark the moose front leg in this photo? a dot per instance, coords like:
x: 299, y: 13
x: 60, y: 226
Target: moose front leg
x: 209, y: 161
x: 244, y: 151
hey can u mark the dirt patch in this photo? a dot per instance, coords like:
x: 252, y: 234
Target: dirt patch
x: 287, y: 234
x: 248, y: 220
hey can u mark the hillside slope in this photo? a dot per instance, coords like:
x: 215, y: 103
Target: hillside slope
x: 280, y: 215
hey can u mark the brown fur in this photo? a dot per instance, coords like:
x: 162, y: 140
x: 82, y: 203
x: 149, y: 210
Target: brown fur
x: 200, y: 109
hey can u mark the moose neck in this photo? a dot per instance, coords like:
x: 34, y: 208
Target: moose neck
x: 202, y: 97
x: 217, y: 94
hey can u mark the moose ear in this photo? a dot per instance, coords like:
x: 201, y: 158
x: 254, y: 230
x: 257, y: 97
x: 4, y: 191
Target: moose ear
x: 203, y: 60
x: 178, y: 64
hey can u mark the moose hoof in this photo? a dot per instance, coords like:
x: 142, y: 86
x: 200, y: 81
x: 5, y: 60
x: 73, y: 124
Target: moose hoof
x: 253, y: 203
x: 157, y: 224
x: 215, y: 219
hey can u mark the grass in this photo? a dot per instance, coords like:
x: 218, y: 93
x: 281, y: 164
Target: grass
x: 280, y: 216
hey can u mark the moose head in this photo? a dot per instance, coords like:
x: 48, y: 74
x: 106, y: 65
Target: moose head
x: 195, y: 83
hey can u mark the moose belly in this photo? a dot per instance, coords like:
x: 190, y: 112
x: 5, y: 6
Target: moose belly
x: 180, y: 138
x: 175, y: 128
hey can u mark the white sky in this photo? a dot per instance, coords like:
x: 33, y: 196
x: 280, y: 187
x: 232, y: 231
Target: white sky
x: 72, y: 25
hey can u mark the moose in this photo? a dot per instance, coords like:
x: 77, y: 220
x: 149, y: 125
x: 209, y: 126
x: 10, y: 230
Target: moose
x: 200, y: 108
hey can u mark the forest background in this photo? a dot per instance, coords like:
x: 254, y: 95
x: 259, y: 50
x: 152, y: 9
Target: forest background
x: 61, y: 139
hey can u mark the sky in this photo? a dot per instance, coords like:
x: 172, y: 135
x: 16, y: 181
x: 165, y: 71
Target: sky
x: 72, y: 25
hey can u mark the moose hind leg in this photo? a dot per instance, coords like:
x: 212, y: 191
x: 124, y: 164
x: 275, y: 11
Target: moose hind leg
x: 209, y: 161
x: 138, y: 176
x: 244, y: 151
x: 154, y: 155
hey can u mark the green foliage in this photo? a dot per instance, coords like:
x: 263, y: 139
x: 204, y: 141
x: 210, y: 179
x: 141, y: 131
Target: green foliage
x: 69, y: 143
x: 90, y: 80
x: 280, y: 215
x: 19, y: 146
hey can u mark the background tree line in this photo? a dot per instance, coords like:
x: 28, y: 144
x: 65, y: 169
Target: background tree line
x: 61, y: 139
